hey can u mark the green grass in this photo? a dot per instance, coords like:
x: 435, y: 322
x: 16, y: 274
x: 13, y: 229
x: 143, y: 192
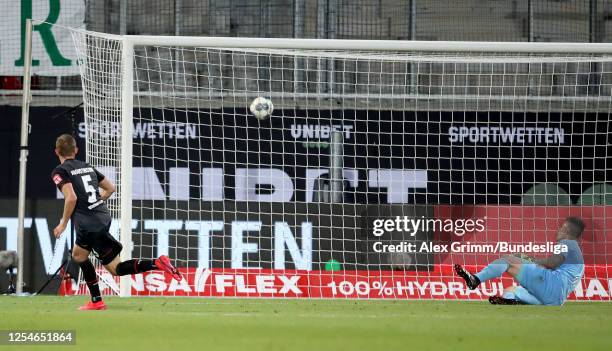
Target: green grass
x: 248, y: 325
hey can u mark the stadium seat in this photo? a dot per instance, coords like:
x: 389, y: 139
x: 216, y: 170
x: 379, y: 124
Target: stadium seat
x: 598, y: 194
x: 546, y: 194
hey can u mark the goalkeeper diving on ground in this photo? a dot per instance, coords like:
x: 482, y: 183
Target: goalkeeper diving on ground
x: 85, y: 191
x: 546, y: 281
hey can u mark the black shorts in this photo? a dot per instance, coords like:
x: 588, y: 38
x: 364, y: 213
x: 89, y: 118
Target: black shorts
x: 104, y: 246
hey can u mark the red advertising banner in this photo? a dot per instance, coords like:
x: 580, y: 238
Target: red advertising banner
x: 438, y: 284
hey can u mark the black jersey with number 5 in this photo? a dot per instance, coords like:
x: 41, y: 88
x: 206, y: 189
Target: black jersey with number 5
x: 90, y: 213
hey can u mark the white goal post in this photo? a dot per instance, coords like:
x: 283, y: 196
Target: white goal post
x: 483, y: 142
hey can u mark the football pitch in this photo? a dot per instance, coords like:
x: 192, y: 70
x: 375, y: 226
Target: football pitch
x: 262, y: 324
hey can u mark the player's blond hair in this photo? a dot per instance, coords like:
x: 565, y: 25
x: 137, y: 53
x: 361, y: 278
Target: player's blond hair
x: 65, y: 145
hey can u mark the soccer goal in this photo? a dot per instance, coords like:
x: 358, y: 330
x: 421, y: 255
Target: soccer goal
x: 381, y: 165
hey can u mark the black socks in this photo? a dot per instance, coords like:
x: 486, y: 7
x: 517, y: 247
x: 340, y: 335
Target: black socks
x: 135, y: 267
x: 89, y: 274
x: 123, y: 268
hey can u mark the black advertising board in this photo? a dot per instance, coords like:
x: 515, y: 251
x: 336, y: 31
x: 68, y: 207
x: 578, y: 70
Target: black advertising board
x: 442, y: 157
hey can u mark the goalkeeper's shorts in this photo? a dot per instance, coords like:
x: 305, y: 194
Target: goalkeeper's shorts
x: 541, y: 283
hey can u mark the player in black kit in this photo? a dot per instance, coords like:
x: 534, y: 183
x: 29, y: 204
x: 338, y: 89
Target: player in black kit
x: 85, y: 192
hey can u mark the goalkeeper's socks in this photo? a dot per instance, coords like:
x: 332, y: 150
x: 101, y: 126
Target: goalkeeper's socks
x: 89, y: 274
x: 135, y: 267
x: 493, y: 270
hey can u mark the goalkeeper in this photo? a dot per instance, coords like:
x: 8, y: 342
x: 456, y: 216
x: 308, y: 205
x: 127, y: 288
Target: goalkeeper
x: 546, y: 281
x: 85, y: 191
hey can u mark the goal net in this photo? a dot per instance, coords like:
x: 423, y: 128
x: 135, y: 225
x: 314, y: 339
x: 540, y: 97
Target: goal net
x: 381, y: 165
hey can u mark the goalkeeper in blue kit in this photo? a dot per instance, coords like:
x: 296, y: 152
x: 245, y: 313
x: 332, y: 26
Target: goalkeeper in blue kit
x: 546, y: 281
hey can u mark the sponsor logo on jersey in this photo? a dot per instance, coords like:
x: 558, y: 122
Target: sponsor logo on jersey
x: 95, y: 204
x: 57, y: 179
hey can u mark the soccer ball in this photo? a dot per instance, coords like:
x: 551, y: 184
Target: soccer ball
x: 261, y: 108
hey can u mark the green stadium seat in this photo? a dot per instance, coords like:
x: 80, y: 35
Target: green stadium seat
x: 546, y: 194
x: 598, y: 194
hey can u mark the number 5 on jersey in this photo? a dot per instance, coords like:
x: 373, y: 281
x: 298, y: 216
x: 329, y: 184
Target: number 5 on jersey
x: 89, y: 188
